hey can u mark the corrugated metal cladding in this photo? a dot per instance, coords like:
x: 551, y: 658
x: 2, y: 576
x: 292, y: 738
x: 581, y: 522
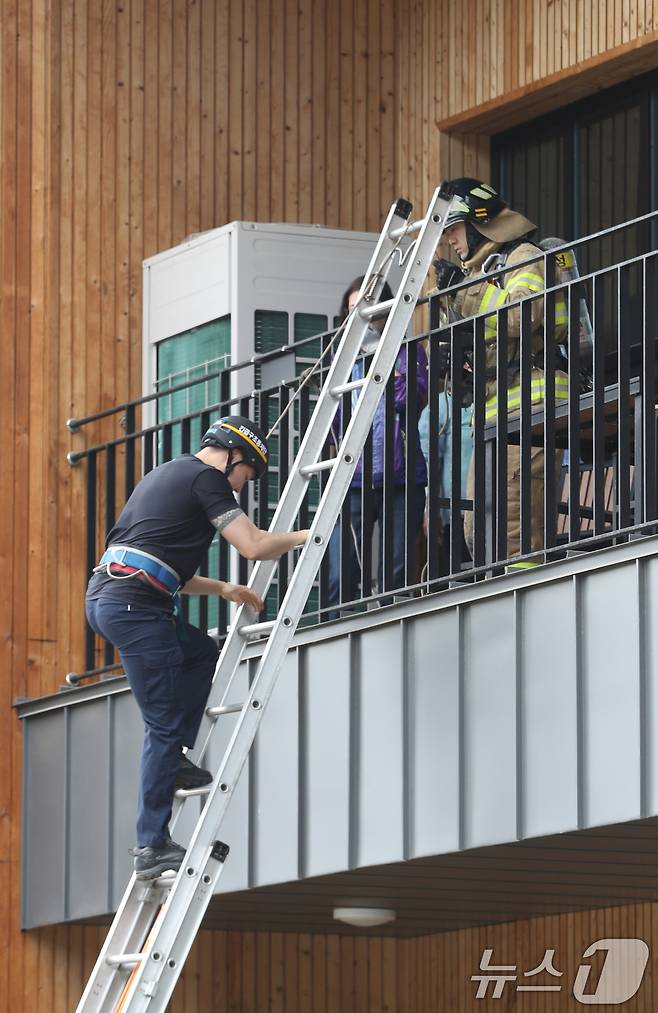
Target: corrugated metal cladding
x: 523, y: 707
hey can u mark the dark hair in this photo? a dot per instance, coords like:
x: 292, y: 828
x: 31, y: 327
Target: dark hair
x: 354, y: 287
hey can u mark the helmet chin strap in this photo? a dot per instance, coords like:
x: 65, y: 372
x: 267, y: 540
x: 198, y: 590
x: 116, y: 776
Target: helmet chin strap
x: 230, y: 465
x: 473, y: 238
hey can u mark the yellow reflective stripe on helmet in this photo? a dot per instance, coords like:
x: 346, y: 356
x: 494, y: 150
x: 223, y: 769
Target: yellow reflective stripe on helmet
x: 244, y: 436
x: 459, y: 205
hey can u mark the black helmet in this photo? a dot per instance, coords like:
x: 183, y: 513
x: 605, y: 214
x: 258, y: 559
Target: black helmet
x: 485, y: 214
x: 235, y: 432
x: 477, y: 202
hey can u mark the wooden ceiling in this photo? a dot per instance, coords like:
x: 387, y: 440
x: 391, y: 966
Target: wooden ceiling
x: 552, y: 875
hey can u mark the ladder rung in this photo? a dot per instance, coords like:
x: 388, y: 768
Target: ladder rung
x: 147, y: 978
x: 228, y: 708
x: 405, y: 230
x: 345, y: 388
x: 163, y: 882
x: 376, y: 310
x: 256, y: 628
x: 191, y: 792
x: 312, y: 469
x: 125, y: 960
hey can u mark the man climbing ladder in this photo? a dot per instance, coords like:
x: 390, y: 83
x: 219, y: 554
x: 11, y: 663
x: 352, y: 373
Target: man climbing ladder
x: 152, y: 555
x: 155, y: 926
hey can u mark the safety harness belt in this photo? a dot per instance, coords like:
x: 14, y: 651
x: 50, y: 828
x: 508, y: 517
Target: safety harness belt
x: 129, y: 556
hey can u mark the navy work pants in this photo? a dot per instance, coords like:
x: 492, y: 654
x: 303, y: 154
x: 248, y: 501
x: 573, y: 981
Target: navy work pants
x: 169, y: 665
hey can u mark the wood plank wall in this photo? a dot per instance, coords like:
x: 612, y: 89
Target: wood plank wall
x: 504, y: 55
x: 297, y: 973
x: 126, y: 126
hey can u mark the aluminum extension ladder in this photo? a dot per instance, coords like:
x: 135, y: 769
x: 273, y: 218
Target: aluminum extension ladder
x: 157, y: 921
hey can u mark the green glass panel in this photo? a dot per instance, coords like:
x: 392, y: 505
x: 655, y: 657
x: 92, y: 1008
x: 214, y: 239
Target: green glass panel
x: 270, y: 330
x: 306, y: 325
x: 183, y: 357
x: 270, y: 333
x: 188, y: 356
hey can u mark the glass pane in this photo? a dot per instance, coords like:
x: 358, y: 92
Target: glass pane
x: 188, y: 356
x: 306, y: 325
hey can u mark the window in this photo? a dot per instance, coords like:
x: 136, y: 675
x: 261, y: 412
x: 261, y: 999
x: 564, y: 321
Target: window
x: 189, y: 356
x: 588, y: 166
x: 585, y: 168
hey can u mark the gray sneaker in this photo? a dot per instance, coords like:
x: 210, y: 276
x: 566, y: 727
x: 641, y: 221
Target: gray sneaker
x: 151, y: 862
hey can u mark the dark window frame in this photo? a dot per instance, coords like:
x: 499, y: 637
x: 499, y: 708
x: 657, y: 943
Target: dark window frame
x: 574, y: 127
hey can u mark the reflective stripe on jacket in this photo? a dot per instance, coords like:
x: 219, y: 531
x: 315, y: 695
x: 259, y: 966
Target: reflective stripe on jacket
x: 537, y: 393
x: 484, y: 297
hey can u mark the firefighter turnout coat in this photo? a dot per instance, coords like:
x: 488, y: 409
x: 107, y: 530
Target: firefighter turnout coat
x: 487, y: 296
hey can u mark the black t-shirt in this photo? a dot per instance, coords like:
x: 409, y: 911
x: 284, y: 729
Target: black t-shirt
x: 169, y: 515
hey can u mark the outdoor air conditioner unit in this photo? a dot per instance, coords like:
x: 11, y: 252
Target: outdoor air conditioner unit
x: 227, y: 294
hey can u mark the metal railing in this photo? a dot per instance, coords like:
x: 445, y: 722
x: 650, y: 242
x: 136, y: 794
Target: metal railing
x: 548, y: 475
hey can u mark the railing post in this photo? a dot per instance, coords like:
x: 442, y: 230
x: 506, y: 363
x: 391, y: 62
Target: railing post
x: 435, y: 382
x: 411, y: 444
x: 551, y: 490
x: 90, y: 639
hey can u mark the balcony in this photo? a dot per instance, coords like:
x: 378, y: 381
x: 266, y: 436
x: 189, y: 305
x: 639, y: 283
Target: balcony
x: 474, y: 744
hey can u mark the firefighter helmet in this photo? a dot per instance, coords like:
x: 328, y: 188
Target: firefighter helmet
x: 475, y: 202
x: 235, y: 432
x: 485, y: 214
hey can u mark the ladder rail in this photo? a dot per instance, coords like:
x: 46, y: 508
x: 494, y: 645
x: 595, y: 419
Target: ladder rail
x: 310, y: 449
x: 154, y: 981
x: 161, y: 929
x: 129, y: 928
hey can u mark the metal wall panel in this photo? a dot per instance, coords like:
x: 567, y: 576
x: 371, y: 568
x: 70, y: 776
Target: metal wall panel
x: 548, y: 710
x: 433, y: 788
x: 275, y: 784
x: 520, y: 707
x: 45, y: 884
x: 90, y: 777
x: 126, y: 732
x: 377, y: 788
x: 648, y: 642
x: 325, y: 762
x: 236, y: 829
x: 488, y: 662
x: 611, y: 701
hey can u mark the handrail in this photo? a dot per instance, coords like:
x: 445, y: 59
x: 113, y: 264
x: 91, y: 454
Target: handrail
x: 613, y: 426
x: 74, y: 424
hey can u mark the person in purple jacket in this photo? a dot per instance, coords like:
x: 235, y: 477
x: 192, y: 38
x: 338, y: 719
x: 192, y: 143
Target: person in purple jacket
x: 401, y: 439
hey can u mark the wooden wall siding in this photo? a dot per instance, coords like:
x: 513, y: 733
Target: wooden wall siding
x: 499, y: 46
x: 125, y: 128
x: 297, y: 973
x: 511, y: 59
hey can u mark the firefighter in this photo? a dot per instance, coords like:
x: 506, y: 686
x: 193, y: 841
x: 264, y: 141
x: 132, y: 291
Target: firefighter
x: 488, y: 235
x: 152, y: 554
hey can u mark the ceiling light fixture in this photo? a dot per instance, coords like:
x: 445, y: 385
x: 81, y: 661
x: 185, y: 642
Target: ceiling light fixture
x: 364, y: 917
